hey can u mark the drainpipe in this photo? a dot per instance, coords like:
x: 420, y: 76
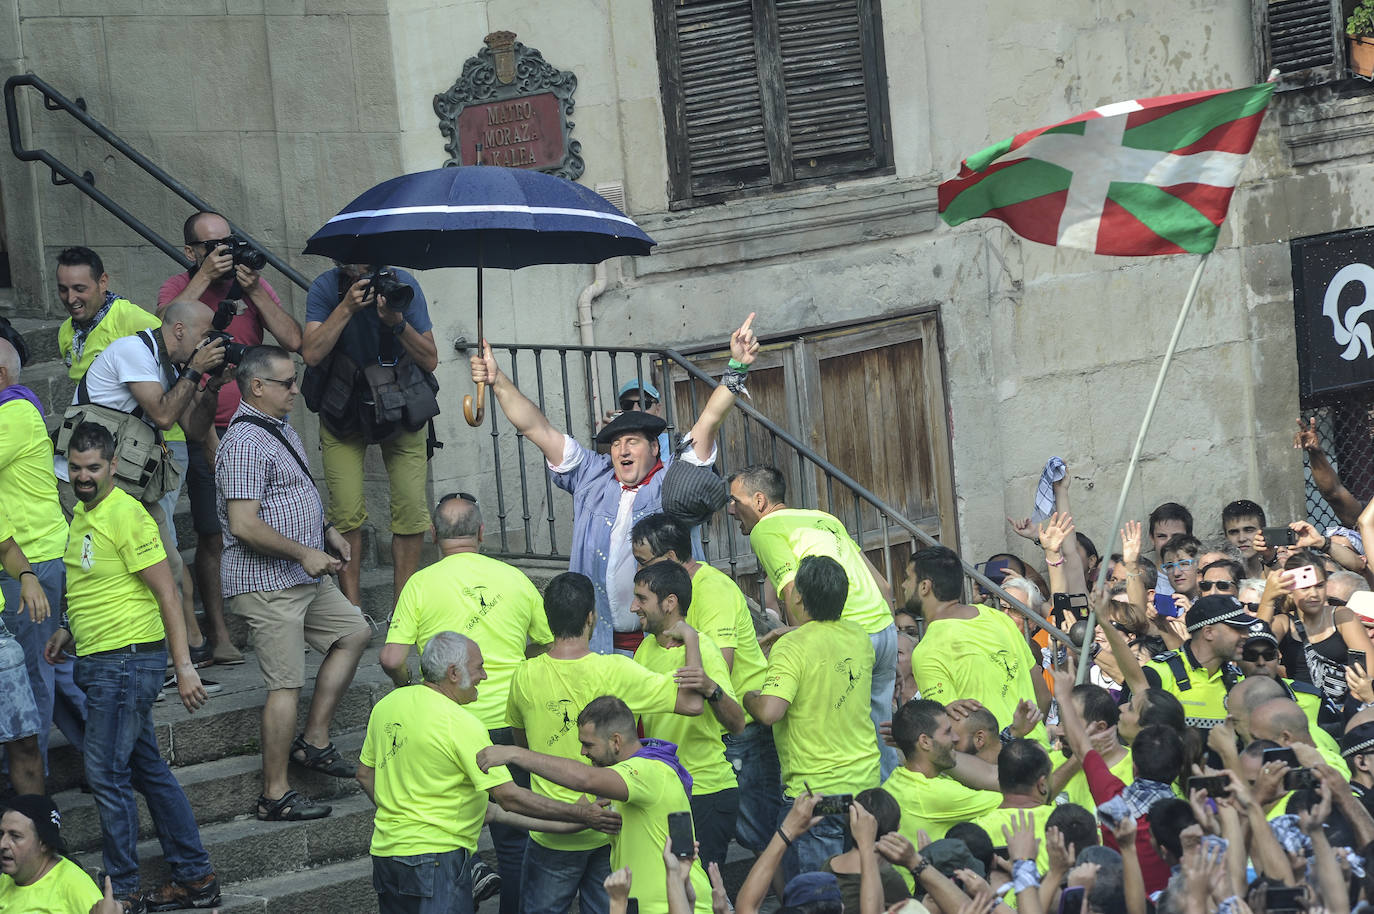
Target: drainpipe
x: 587, y: 331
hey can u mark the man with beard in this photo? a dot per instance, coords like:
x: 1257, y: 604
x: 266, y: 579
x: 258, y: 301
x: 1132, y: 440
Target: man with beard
x: 122, y: 604
x: 611, y: 492
x: 968, y: 651
x: 1201, y: 672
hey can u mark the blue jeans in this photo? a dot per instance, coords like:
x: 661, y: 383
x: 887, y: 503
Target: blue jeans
x: 423, y: 883
x: 754, y: 757
x: 509, y: 841
x: 121, y: 756
x: 809, y: 851
x: 553, y: 878
x: 168, y: 502
x: 880, y: 699
x: 44, y: 678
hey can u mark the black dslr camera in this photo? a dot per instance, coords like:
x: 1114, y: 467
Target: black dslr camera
x: 224, y: 313
x: 388, y: 285
x: 243, y: 252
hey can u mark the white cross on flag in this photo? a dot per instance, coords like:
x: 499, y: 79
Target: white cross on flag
x: 1135, y: 178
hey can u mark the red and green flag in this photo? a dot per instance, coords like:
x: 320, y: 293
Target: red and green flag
x: 1136, y: 178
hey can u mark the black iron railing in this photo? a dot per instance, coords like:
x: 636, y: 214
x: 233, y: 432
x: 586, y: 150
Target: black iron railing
x: 64, y: 174
x: 575, y: 385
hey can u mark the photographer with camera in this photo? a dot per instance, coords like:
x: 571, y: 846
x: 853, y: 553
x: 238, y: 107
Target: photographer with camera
x: 368, y: 339
x: 225, y: 277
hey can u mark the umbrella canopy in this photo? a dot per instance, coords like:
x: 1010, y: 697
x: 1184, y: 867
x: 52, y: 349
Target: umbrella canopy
x: 478, y: 216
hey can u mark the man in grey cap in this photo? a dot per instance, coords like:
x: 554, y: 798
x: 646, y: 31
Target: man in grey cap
x: 612, y: 491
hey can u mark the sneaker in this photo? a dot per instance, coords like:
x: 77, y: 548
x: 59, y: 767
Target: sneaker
x: 130, y: 904
x: 203, y: 893
x: 210, y: 686
x: 486, y: 882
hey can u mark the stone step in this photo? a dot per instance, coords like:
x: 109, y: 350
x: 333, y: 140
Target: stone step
x: 338, y: 887
x: 245, y: 849
x: 40, y: 334
x: 218, y: 791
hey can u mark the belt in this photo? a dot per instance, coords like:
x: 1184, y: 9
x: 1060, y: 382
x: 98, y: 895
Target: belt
x: 143, y: 647
x: 627, y: 641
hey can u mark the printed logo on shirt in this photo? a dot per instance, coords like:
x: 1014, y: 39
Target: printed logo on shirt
x: 395, y: 739
x: 145, y: 548
x: 1009, y: 664
x: 87, y: 553
x: 846, y: 666
x: 561, y: 707
x: 486, y: 602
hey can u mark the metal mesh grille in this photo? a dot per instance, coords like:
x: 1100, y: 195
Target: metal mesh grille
x: 1346, y: 431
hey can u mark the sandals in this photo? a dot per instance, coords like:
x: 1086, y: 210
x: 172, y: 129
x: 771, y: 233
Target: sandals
x: 293, y: 806
x: 326, y: 760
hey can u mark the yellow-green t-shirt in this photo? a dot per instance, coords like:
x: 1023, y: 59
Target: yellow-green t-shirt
x: 993, y: 820
x: 786, y: 536
x: 431, y: 796
x: 108, y: 604
x: 718, y: 609
x: 27, y: 482
x: 6, y: 533
x: 492, y: 603
x: 935, y: 805
x: 826, y: 738
x: 63, y: 889
x: 124, y: 319
x: 698, y: 739
x: 1330, y: 751
x: 546, y: 696
x: 985, y: 658
x: 655, y: 791
x: 1077, y: 790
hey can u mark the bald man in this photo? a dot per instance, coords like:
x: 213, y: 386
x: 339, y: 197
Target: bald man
x: 1283, y: 722
x: 159, y: 373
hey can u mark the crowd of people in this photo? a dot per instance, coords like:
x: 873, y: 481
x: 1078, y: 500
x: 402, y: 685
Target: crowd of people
x: 1207, y: 745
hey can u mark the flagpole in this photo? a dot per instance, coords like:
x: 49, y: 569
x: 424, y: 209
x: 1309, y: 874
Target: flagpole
x: 1115, y: 528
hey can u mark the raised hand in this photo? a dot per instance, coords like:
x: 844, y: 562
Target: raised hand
x: 1130, y: 542
x: 743, y: 346
x: 1057, y: 528
x: 1023, y: 528
x: 1306, y: 437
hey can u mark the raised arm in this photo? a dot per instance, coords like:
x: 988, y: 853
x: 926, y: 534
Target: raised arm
x: 1135, y: 586
x: 743, y: 350
x: 1121, y: 651
x: 574, y: 775
x: 1324, y: 475
x: 164, y: 407
x: 517, y: 407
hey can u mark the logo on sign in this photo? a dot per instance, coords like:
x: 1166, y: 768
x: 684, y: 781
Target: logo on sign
x: 1348, y: 329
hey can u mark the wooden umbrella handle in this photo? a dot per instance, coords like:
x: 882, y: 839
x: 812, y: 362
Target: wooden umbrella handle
x: 475, y: 420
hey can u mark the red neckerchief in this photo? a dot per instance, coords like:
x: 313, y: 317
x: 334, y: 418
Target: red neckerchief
x: 634, y: 488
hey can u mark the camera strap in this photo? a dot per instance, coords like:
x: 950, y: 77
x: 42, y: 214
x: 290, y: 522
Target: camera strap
x: 276, y: 432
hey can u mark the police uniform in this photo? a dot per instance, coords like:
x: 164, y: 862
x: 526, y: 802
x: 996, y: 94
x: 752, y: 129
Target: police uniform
x: 1309, y: 697
x: 1202, y: 693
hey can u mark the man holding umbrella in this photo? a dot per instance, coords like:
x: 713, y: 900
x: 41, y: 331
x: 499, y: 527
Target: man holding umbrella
x: 345, y: 315
x: 612, y: 491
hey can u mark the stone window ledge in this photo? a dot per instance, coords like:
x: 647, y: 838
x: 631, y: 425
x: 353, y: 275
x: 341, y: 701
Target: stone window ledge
x: 1328, y: 123
x: 797, y: 222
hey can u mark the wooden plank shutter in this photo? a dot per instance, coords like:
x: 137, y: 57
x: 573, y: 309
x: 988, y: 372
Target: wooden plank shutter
x: 1304, y: 39
x: 722, y: 108
x: 832, y: 107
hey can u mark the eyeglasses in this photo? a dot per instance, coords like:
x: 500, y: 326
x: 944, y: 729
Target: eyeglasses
x: 1334, y: 601
x: 1266, y: 654
x: 452, y: 495
x: 286, y: 384
x: 1181, y: 563
x: 1205, y: 586
x: 211, y: 243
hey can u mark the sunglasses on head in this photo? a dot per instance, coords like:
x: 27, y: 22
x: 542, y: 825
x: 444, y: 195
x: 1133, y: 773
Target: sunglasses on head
x: 1205, y: 586
x: 463, y: 495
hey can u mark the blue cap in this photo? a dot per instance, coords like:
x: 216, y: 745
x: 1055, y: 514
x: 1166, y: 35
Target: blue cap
x: 809, y: 888
x: 636, y: 384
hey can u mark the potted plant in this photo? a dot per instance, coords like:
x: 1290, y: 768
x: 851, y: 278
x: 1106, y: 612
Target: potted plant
x: 1359, y: 29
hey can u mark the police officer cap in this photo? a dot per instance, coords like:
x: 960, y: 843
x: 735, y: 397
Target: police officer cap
x: 1218, y: 608
x: 633, y: 420
x: 1260, y: 631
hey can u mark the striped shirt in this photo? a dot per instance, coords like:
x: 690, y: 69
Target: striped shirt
x: 253, y: 465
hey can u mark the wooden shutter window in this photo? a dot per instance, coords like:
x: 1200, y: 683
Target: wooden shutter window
x: 827, y: 93
x: 726, y: 142
x: 1305, y: 40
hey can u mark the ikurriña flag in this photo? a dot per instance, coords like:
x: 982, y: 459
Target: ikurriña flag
x: 1135, y: 178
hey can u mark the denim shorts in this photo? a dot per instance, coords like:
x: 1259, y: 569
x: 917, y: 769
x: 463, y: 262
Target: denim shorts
x: 18, y: 710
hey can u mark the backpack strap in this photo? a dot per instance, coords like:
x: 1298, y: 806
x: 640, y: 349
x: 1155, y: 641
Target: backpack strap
x: 1175, y: 664
x: 276, y: 433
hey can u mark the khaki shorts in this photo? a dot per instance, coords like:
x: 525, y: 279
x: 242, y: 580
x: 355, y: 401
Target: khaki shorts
x: 284, y: 621
x: 407, y: 465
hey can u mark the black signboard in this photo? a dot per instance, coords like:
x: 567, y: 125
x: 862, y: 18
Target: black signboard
x: 1333, y: 304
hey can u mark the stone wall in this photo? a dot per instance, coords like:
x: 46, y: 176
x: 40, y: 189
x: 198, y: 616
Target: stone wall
x: 280, y: 112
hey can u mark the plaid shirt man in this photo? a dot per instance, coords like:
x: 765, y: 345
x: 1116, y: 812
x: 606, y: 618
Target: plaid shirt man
x: 252, y: 464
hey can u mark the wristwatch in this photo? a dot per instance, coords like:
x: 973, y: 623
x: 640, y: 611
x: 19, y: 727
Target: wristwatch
x: 399, y: 329
x: 716, y: 696
x: 193, y: 376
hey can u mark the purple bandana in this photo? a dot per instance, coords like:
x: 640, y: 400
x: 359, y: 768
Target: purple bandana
x: 20, y: 392
x: 660, y: 750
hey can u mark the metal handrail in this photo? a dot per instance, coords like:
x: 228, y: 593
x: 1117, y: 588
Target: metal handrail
x: 85, y: 181
x: 643, y: 359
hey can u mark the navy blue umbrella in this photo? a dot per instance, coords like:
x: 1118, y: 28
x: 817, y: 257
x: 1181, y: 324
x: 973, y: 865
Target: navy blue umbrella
x: 484, y: 216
